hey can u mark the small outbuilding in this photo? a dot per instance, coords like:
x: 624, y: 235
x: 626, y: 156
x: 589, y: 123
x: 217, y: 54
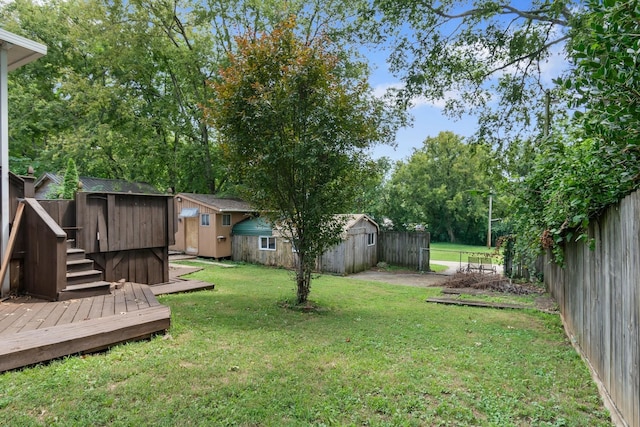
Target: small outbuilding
x: 256, y: 241
x: 205, y: 223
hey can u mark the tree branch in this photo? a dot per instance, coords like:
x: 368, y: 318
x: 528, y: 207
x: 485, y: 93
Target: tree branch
x: 534, y: 15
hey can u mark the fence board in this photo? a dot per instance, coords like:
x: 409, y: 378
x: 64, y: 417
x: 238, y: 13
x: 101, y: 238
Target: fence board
x: 598, y: 293
x: 403, y: 248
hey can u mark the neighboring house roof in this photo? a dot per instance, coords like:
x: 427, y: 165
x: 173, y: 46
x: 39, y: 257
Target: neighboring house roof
x: 45, y: 182
x: 221, y: 204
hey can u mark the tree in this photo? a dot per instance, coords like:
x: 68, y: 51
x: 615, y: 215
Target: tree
x: 70, y: 181
x: 591, y: 161
x: 120, y: 87
x: 295, y: 130
x: 444, y: 186
x: 484, y: 57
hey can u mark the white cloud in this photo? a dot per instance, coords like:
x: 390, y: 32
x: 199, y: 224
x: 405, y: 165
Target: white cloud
x: 386, y: 89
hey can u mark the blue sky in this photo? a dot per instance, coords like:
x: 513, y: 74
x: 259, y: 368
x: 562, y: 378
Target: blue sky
x: 429, y: 119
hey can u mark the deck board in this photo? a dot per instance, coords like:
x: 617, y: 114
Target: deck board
x: 33, y: 331
x: 37, y: 320
x: 181, y: 286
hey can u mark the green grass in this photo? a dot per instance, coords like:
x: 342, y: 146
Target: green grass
x: 373, y: 354
x: 451, y: 252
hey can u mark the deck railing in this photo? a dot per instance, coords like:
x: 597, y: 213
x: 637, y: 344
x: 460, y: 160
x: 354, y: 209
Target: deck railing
x: 45, y: 252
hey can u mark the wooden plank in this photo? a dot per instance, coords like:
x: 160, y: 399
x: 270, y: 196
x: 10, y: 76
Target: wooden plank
x: 21, y: 317
x: 83, y: 310
x: 130, y: 297
x: 149, y: 295
x: 49, y: 343
x: 140, y: 296
x: 113, y: 218
x: 97, y: 304
x: 471, y: 303
x: 120, y: 303
x: 39, y: 319
x: 9, y: 313
x: 109, y: 305
x: 103, y: 242
x: 55, y: 315
x: 68, y: 315
x: 12, y: 241
x: 181, y: 286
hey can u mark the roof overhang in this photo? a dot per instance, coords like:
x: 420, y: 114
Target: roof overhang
x: 20, y: 50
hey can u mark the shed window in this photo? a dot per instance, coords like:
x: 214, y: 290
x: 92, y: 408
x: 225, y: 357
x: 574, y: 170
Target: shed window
x: 204, y: 220
x: 226, y: 220
x: 267, y: 243
x: 371, y: 239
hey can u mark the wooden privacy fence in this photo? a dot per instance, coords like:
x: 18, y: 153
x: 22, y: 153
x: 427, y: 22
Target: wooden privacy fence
x: 598, y: 293
x: 404, y: 248
x: 127, y: 235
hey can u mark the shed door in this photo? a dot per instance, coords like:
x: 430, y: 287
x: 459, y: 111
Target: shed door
x: 191, y: 235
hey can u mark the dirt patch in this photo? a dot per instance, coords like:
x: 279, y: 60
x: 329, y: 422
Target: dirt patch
x: 492, y: 285
x: 423, y: 280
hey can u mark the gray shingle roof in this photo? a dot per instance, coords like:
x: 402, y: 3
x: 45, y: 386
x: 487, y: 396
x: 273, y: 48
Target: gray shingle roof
x: 222, y: 204
x: 95, y: 184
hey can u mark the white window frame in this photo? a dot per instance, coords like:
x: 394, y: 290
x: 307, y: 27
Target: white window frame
x: 204, y: 223
x: 371, y: 239
x: 227, y: 216
x: 269, y: 240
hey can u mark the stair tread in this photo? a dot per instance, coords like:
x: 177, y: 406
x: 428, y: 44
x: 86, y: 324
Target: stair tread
x: 83, y: 273
x: 91, y: 285
x: 80, y: 261
x: 74, y: 250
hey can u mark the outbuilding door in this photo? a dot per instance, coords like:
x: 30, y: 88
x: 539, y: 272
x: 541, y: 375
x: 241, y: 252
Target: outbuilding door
x: 191, y: 235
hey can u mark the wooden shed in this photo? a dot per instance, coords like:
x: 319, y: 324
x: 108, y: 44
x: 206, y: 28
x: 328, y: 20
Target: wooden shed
x: 205, y: 223
x: 255, y: 241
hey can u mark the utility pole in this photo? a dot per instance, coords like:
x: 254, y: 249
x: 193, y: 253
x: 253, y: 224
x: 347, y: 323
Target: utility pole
x: 489, y: 228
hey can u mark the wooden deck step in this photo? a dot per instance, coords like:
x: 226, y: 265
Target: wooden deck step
x: 39, y: 345
x: 85, y: 290
x: 79, y: 265
x: 87, y: 276
x: 180, y: 286
x: 74, y: 254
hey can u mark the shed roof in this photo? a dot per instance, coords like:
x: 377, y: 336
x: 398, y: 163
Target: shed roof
x: 96, y: 184
x: 260, y: 226
x: 257, y: 226
x: 221, y: 204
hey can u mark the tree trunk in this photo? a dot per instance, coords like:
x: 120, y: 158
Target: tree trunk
x: 303, y: 279
x: 452, y: 237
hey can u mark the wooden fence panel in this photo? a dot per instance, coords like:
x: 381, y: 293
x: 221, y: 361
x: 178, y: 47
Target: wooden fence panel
x: 403, y: 248
x: 598, y: 293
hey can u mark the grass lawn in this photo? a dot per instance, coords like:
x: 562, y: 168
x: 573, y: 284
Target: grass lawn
x: 451, y: 252
x: 373, y: 354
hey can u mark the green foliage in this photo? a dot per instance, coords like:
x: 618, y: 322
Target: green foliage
x: 120, y: 87
x: 295, y: 131
x: 484, y: 57
x: 593, y: 161
x: 445, y: 187
x: 71, y: 180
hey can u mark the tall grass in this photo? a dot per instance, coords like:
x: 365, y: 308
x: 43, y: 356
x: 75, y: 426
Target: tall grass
x: 370, y: 354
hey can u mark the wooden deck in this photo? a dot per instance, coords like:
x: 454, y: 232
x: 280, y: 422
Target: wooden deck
x: 33, y: 331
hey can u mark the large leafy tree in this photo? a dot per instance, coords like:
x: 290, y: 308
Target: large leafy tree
x: 484, y: 57
x: 295, y: 128
x: 593, y: 160
x: 120, y: 88
x: 445, y: 186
